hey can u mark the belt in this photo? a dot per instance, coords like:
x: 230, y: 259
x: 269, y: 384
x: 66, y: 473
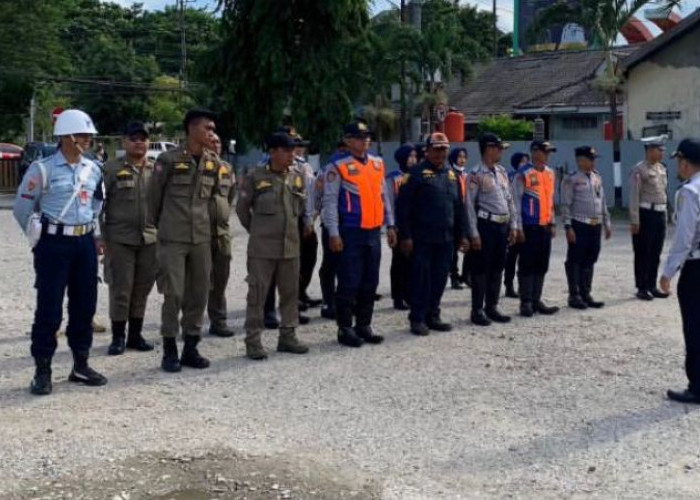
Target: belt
x: 501, y: 219
x: 656, y: 207
x: 591, y: 221
x: 64, y: 230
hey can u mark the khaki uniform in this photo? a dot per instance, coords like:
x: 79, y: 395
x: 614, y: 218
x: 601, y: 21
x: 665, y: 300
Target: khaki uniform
x: 647, y: 206
x: 221, y: 244
x: 130, y: 259
x: 269, y: 206
x: 180, y: 196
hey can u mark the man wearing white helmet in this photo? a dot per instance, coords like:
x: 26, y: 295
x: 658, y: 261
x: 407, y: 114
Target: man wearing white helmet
x: 57, y: 206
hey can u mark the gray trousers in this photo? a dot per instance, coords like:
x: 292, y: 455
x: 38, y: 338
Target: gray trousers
x: 183, y: 279
x: 261, y: 273
x: 220, y: 272
x: 130, y: 272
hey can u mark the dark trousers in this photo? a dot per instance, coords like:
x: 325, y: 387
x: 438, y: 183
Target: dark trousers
x: 582, y: 256
x: 429, y: 271
x: 400, y: 276
x: 308, y: 258
x: 358, y: 276
x: 535, y: 251
x: 64, y: 262
x: 512, y: 255
x: 487, y: 264
x: 648, y: 245
x: 328, y: 271
x: 689, y: 298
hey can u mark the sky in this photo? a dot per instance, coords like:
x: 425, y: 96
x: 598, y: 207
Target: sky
x: 504, y: 7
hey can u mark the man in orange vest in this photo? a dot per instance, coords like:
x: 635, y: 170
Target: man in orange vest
x: 534, y: 201
x: 354, y: 211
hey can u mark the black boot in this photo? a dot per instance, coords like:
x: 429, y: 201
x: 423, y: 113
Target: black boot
x: 367, y: 335
x: 117, y: 346
x: 434, y: 322
x: 171, y: 359
x: 135, y: 340
x: 493, y: 291
x: 573, y: 277
x: 190, y: 354
x: 479, y: 318
x: 456, y: 283
x: 346, y: 333
x: 537, y: 304
x: 41, y: 383
x: 82, y: 373
x: 526, y: 295
x: 364, y: 309
x: 586, y: 286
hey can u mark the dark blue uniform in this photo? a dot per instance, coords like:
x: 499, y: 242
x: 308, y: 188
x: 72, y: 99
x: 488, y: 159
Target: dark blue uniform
x: 431, y: 212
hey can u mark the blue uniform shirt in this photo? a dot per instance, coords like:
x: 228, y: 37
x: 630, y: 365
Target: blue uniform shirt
x: 49, y: 195
x: 687, y: 238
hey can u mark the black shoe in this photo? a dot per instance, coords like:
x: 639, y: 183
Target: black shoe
x: 420, y: 329
x: 190, y: 354
x: 347, y: 337
x: 542, y: 308
x: 576, y: 302
x: 400, y: 305
x: 644, y: 295
x: 438, y: 325
x: 683, y: 396
x: 511, y: 293
x: 526, y: 310
x: 496, y: 316
x: 118, y: 345
x: 304, y: 320
x: 479, y: 318
x: 83, y: 374
x: 221, y: 331
x: 311, y: 302
x: 41, y: 383
x: 328, y: 313
x: 659, y: 294
x: 367, y: 335
x: 590, y: 302
x: 171, y: 360
x: 456, y: 284
x: 271, y: 322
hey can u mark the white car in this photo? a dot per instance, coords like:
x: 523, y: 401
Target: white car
x: 154, y: 150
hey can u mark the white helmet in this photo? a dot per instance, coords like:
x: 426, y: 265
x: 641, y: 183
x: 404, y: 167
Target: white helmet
x: 73, y: 121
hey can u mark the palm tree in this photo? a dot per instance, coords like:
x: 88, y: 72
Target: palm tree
x: 604, y: 20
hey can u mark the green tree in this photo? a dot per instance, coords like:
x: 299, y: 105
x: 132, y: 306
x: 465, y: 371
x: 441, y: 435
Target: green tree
x: 166, y: 109
x: 507, y: 128
x: 303, y: 61
x: 604, y: 19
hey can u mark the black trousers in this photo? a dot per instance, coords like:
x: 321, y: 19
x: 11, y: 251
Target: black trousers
x: 429, y: 271
x: 400, y: 276
x: 535, y: 251
x: 328, y: 271
x: 512, y: 255
x: 581, y: 257
x: 688, y: 299
x: 647, y: 246
x: 487, y: 264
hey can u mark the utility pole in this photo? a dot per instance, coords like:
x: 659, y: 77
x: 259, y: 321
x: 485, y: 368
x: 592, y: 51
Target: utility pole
x: 495, y: 29
x: 32, y: 119
x: 183, y: 45
x: 403, y: 129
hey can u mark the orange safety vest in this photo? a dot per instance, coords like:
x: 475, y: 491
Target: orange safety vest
x: 361, y: 204
x: 538, y: 198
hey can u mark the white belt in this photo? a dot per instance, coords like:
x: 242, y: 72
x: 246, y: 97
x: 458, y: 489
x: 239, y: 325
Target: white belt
x: 62, y: 229
x: 591, y: 221
x: 501, y: 219
x: 651, y: 206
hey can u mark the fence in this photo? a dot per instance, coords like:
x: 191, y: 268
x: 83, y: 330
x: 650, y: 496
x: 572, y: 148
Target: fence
x: 9, y: 175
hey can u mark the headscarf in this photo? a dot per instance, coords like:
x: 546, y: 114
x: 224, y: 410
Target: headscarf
x: 401, y: 155
x: 454, y: 154
x: 516, y: 159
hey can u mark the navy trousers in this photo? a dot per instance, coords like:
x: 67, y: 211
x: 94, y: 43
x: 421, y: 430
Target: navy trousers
x: 431, y: 263
x: 64, y: 263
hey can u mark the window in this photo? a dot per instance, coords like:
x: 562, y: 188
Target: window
x: 663, y: 115
x: 579, y: 122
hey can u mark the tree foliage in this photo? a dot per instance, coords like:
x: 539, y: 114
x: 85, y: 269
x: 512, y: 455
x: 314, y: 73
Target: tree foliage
x: 507, y: 128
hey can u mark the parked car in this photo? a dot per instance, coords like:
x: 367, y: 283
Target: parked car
x: 34, y: 151
x: 154, y: 150
x: 10, y: 151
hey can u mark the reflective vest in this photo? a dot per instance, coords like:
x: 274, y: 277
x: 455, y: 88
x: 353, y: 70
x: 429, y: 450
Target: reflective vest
x: 538, y: 197
x: 360, y: 202
x: 463, y: 178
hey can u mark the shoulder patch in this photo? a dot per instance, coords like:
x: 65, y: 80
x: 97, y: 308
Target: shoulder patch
x: 209, y: 165
x: 331, y: 176
x: 298, y: 183
x: 451, y: 175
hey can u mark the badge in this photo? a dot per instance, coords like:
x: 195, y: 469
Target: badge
x: 533, y: 180
x: 298, y: 183
x: 209, y: 165
x: 32, y: 184
x: 451, y: 175
x: 125, y: 172
x: 331, y: 176
x: 223, y: 170
x: 428, y: 174
x: 352, y: 169
x: 263, y: 185
x: 182, y: 166
x: 377, y: 165
x: 84, y: 196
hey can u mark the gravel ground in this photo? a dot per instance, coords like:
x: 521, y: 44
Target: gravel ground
x: 567, y: 407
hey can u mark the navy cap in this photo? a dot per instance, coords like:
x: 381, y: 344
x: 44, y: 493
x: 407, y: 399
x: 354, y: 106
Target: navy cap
x: 689, y: 149
x: 437, y: 140
x: 544, y: 146
x: 587, y: 152
x: 281, y: 140
x: 195, y: 113
x: 134, y: 128
x: 292, y: 132
x: 357, y: 129
x: 489, y: 139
